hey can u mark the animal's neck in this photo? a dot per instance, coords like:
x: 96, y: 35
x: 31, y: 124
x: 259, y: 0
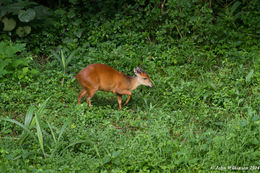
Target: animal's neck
x: 133, y: 83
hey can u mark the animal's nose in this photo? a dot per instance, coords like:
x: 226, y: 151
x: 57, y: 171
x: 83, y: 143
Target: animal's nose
x: 151, y: 84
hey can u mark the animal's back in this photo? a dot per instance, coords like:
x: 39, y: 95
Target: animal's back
x: 99, y: 76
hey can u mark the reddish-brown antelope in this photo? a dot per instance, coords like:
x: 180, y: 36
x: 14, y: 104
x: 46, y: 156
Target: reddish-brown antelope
x: 101, y: 77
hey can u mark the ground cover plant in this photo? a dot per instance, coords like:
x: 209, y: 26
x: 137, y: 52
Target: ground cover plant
x: 201, y: 115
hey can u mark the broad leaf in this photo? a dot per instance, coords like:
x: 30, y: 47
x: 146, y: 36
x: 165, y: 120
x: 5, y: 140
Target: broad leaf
x: 26, y: 15
x: 9, y: 24
x: 23, y: 31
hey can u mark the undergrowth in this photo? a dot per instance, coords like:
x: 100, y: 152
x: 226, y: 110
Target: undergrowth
x: 202, y: 115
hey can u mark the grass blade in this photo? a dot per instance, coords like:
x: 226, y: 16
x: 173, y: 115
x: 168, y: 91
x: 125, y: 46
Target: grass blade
x: 63, y: 61
x: 27, y: 122
x: 19, y: 124
x: 78, y: 142
x: 42, y: 107
x: 28, y: 117
x: 38, y: 127
x: 55, y: 55
x: 62, y: 130
x: 70, y: 57
x: 52, y: 133
x: 39, y: 133
x: 235, y: 6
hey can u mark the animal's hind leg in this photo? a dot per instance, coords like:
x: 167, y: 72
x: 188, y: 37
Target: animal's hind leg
x: 88, y: 100
x: 91, y: 92
x: 81, y: 94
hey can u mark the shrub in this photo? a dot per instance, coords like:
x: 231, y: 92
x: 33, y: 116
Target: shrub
x: 15, y: 62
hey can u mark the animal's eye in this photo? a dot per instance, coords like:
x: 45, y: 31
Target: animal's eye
x: 144, y: 78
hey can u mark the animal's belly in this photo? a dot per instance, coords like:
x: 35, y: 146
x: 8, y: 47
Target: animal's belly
x: 108, y: 88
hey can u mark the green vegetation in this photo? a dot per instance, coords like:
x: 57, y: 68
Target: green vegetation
x: 202, y: 114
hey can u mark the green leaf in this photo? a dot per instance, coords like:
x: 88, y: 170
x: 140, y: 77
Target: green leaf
x: 42, y: 12
x: 62, y: 130
x: 3, y: 64
x: 25, y: 70
x: 38, y: 127
x: 42, y: 107
x: 106, y: 159
x: 19, y: 62
x: 28, y: 117
x: 52, y: 133
x: 70, y: 57
x: 212, y: 85
x: 27, y: 29
x: 8, y: 50
x: 57, y: 56
x: 116, y: 154
x: 243, y: 123
x: 235, y: 6
x: 249, y: 76
x: 39, y: 133
x: 63, y: 61
x: 23, y: 31
x: 34, y: 71
x: 9, y: 24
x: 26, y: 15
x: 77, y: 142
x: 27, y: 122
x: 19, y: 124
x: 255, y: 118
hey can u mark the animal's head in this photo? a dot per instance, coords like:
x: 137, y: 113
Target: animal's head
x: 143, y: 77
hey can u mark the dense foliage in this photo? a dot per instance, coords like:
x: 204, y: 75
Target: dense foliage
x: 202, y: 114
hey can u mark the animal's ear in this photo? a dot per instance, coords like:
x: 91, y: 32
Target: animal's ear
x: 137, y: 70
